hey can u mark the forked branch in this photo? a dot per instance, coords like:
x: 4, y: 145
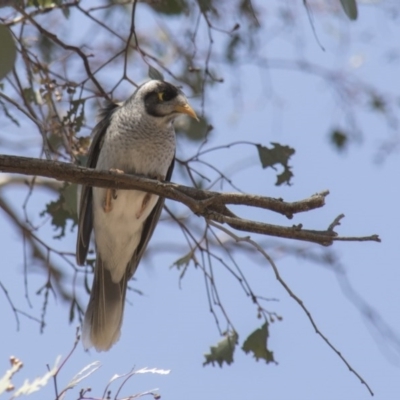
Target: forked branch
x: 211, y: 205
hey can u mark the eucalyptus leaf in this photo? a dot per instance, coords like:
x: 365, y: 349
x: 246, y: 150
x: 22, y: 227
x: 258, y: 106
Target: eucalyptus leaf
x: 8, y: 51
x: 277, y: 154
x: 155, y: 74
x: 257, y: 344
x: 339, y: 139
x: 169, y: 7
x: 63, y: 209
x: 42, y: 3
x: 350, y: 8
x: 183, y: 261
x: 192, y: 129
x: 223, y: 351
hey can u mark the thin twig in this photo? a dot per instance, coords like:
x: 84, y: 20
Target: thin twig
x: 65, y: 46
x: 248, y: 240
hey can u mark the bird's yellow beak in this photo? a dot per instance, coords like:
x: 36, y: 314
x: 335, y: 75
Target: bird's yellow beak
x: 186, y: 109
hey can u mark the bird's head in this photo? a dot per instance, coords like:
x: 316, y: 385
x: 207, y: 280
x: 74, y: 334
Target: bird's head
x: 163, y: 100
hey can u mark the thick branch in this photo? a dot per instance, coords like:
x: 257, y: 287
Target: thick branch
x: 196, y: 199
x: 211, y: 205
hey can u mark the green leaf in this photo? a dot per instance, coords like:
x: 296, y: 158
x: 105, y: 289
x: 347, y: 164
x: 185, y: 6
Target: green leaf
x: 257, y: 344
x: 223, y: 351
x: 378, y: 103
x: 169, y: 7
x: 339, y: 139
x: 70, y: 195
x: 7, y: 113
x: 246, y: 9
x: 232, y: 48
x: 76, y: 114
x: 46, y: 46
x: 183, y: 261
x: 192, y: 129
x: 350, y: 8
x: 182, y: 264
x: 284, y: 177
x: 8, y: 51
x: 41, y: 3
x: 205, y: 5
x: 65, y: 10
x: 155, y: 74
x: 11, y: 3
x: 84, y: 142
x: 278, y: 154
x: 63, y: 209
x: 30, y: 95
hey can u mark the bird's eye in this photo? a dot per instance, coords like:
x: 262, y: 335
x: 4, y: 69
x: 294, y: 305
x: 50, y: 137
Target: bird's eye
x: 161, y: 96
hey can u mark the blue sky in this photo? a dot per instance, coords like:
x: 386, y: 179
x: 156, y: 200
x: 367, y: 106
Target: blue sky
x: 171, y: 328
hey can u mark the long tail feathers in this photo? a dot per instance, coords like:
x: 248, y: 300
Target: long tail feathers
x: 103, y: 318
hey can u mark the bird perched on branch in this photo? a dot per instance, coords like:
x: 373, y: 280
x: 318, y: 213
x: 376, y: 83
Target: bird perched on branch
x: 136, y: 137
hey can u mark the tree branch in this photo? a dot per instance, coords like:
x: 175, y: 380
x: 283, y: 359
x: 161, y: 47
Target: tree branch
x: 210, y: 205
x: 296, y: 299
x: 65, y: 46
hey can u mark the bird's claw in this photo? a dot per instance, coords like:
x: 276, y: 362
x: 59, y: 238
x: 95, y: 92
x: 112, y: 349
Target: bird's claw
x: 116, y: 170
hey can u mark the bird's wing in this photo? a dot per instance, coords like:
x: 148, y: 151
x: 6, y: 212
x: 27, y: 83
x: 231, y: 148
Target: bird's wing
x: 85, y: 224
x: 148, y: 228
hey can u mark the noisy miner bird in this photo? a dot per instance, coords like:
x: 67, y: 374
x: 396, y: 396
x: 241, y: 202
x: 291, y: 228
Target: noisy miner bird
x: 136, y: 137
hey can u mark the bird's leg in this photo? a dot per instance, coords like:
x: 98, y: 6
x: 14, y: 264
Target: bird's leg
x: 145, y: 202
x: 110, y: 194
x: 107, y: 207
x: 146, y: 199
